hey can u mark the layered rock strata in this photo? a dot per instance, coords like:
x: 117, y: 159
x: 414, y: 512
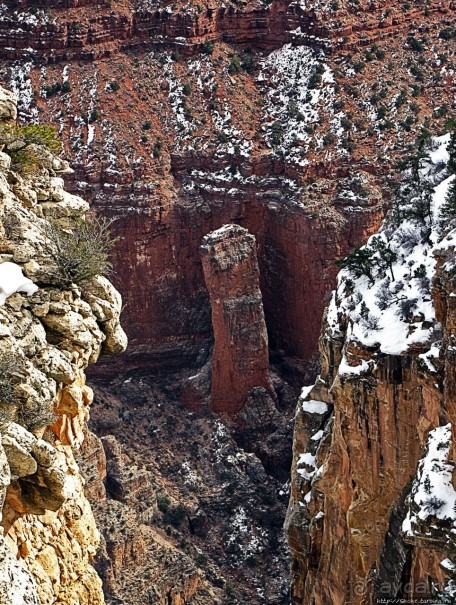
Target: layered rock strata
x: 49, y: 334
x: 176, y: 144
x: 89, y: 35
x: 240, y: 359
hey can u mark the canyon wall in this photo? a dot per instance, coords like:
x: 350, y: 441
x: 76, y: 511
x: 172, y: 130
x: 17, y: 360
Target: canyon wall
x: 360, y: 524
x: 50, y: 332
x: 179, y: 122
x: 288, y: 122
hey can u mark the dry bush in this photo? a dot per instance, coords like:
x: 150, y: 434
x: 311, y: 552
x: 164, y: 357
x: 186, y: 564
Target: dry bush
x: 82, y: 252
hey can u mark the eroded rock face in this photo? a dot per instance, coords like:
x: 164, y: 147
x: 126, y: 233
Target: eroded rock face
x: 240, y: 360
x: 173, y: 167
x: 49, y: 338
x: 358, y: 526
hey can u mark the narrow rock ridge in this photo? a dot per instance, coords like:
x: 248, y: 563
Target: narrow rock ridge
x: 48, y: 336
x: 240, y: 359
x: 374, y: 447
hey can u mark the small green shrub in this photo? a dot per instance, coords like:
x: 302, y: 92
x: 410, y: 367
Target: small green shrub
x: 19, y: 142
x: 448, y: 208
x: 222, y: 137
x: 114, y: 85
x: 15, y: 137
x: 447, y: 33
x: 248, y: 62
x: 157, y: 149
x: 163, y: 503
x: 57, y: 87
x: 329, y: 139
x: 314, y: 80
x: 277, y: 132
x: 359, y: 66
x: 208, y: 48
x: 201, y: 560
x: 93, y: 116
x: 235, y: 65
x: 229, y: 589
x: 415, y: 44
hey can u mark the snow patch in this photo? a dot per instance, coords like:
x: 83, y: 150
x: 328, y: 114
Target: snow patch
x: 12, y: 280
x: 314, y: 407
x: 391, y: 309
x: 433, y: 495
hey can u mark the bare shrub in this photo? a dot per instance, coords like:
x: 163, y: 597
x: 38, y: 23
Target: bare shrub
x: 9, y: 367
x: 433, y: 504
x: 82, y: 252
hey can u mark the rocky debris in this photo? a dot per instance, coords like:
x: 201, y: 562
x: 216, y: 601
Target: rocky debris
x: 8, y: 105
x: 48, y: 336
x: 215, y: 534
x: 240, y: 359
x: 126, y: 482
x: 16, y: 583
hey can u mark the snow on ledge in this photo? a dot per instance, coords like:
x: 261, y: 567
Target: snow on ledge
x: 314, y: 407
x: 12, y: 280
x: 345, y: 369
x: 433, y: 494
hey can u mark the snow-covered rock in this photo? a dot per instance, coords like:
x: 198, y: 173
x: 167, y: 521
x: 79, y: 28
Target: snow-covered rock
x: 385, y: 304
x: 431, y: 514
x: 12, y: 280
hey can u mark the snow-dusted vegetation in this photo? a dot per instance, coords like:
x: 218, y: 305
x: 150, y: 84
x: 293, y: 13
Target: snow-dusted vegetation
x: 432, y: 502
x: 433, y: 495
x: 298, y: 82
x: 383, y: 297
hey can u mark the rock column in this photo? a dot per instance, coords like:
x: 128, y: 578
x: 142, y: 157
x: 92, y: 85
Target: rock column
x: 240, y: 359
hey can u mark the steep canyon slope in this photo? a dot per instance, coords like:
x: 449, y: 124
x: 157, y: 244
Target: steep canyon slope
x: 285, y: 118
x: 281, y: 117
x: 372, y: 509
x: 50, y: 332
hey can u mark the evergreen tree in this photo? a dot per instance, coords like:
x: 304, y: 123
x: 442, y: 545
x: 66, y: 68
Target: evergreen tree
x: 448, y: 209
x: 359, y: 262
x: 452, y: 152
x: 386, y: 257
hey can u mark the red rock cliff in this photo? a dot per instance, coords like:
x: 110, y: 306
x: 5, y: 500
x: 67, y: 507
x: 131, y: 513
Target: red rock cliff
x: 184, y: 121
x: 240, y: 360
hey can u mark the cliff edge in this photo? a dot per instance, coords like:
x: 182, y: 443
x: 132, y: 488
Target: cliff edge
x: 50, y: 330
x: 371, y: 513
